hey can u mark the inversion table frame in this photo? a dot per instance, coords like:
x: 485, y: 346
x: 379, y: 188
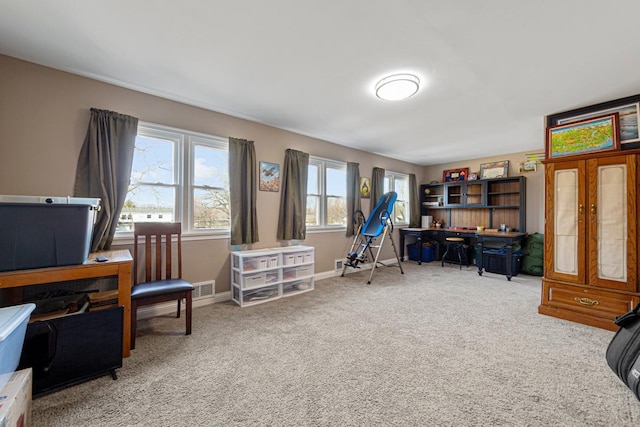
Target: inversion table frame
x: 378, y: 223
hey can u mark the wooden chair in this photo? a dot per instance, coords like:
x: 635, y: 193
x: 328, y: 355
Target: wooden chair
x: 155, y: 288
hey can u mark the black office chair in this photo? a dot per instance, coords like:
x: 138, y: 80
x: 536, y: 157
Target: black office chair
x: 158, y: 289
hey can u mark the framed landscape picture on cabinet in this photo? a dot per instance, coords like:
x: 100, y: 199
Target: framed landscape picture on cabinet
x: 628, y: 110
x: 586, y: 136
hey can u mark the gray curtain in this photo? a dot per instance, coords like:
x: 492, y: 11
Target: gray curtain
x: 293, y: 200
x: 104, y: 169
x: 242, y: 188
x: 414, y: 202
x: 377, y: 186
x: 353, y: 195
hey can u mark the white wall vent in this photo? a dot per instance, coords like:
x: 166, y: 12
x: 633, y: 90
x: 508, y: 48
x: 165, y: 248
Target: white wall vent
x: 204, y: 290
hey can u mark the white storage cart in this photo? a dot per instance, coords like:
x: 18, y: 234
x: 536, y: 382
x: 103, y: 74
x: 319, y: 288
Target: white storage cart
x: 263, y: 275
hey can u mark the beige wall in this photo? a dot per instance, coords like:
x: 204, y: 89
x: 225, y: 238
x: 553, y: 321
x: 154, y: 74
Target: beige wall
x: 535, y: 182
x: 43, y: 119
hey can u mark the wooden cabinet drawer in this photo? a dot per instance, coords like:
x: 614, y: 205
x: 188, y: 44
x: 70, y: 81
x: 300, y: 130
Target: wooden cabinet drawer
x: 595, y: 302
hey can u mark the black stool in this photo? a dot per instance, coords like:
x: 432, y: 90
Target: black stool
x: 456, y: 244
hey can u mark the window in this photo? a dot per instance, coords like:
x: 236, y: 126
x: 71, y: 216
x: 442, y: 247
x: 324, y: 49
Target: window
x: 399, y: 182
x: 326, y: 193
x: 178, y: 176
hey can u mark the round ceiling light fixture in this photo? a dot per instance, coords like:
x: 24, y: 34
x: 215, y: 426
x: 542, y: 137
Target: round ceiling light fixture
x: 397, y: 87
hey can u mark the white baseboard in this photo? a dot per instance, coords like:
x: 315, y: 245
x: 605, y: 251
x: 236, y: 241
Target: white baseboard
x: 350, y: 270
x: 170, y: 307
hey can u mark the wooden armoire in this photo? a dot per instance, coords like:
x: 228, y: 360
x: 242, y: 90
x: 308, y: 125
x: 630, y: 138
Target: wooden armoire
x: 591, y: 238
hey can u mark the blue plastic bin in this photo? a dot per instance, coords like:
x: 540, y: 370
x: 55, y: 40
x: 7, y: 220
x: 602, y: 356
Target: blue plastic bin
x: 428, y: 253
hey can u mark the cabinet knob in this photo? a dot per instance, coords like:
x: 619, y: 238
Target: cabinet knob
x: 586, y: 301
x: 581, y: 209
x: 593, y: 209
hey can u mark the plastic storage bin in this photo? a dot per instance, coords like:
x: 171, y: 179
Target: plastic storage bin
x: 297, y: 272
x: 44, y: 231
x: 297, y: 286
x: 13, y: 326
x: 494, y: 261
x: 428, y: 253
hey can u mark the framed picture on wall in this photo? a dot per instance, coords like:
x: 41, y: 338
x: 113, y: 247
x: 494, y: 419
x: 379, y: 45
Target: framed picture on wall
x: 455, y: 175
x: 365, y: 187
x: 269, y: 177
x: 494, y: 170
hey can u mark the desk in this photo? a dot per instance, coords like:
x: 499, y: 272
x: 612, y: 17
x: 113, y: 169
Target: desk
x: 506, y: 238
x: 119, y: 265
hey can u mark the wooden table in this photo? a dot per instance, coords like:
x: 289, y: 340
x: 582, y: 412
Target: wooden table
x: 118, y: 264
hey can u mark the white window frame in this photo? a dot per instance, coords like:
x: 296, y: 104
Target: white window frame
x: 390, y: 179
x: 184, y: 164
x: 323, y: 165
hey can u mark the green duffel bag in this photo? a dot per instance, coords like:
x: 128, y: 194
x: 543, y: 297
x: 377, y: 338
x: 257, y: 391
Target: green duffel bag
x: 533, y: 259
x: 531, y: 266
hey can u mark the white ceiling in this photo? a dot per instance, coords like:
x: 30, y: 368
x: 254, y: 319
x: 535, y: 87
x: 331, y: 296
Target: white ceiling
x: 490, y: 70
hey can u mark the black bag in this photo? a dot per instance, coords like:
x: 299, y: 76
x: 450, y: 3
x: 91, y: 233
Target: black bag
x: 623, y: 353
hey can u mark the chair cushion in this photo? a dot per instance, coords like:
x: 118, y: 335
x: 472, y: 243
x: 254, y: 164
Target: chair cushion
x: 160, y: 287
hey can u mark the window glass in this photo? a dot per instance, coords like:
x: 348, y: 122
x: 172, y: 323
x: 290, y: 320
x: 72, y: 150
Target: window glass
x: 336, y: 182
x: 402, y: 188
x: 313, y: 179
x: 153, y: 160
x: 336, y: 211
x: 211, y: 209
x: 313, y: 210
x: 210, y: 167
x: 147, y: 203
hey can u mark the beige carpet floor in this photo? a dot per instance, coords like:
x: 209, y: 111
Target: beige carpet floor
x: 433, y: 347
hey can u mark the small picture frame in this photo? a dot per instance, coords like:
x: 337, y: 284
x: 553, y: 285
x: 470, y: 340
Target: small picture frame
x: 585, y: 136
x: 365, y: 187
x: 269, y: 177
x: 528, y: 166
x: 450, y: 175
x: 473, y: 176
x: 494, y: 170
